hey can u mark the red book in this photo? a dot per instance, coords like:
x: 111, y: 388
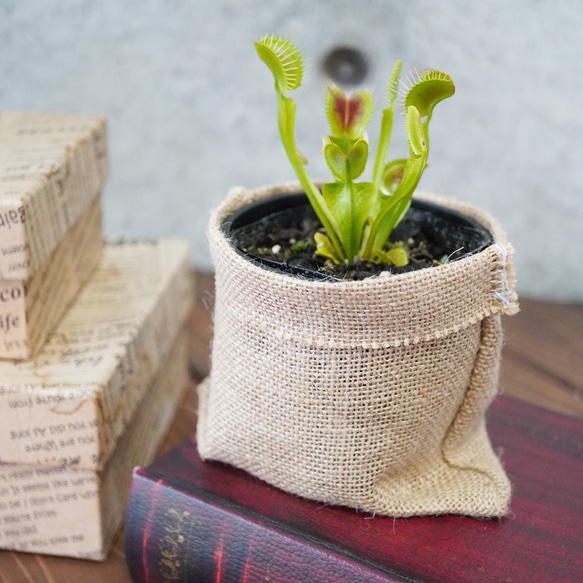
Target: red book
x: 197, y: 521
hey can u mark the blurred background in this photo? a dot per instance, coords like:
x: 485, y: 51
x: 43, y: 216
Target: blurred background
x: 192, y: 110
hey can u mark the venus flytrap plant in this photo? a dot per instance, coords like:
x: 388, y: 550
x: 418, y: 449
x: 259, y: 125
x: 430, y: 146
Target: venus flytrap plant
x: 358, y: 217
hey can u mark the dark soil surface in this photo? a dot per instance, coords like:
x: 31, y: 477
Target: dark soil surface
x: 287, y: 237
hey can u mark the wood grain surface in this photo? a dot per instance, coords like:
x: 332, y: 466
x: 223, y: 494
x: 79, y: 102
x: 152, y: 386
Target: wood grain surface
x: 542, y: 363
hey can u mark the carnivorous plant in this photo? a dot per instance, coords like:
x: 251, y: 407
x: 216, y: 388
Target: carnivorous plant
x: 358, y: 217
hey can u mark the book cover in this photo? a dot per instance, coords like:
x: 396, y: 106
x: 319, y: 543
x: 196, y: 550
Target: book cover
x: 190, y: 520
x: 30, y: 309
x: 52, y: 166
x: 70, y: 404
x: 77, y: 512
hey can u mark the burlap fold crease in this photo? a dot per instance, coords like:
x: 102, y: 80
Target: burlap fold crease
x: 370, y: 394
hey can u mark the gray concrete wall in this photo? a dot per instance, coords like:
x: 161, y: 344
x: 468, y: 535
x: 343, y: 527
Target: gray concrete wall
x: 192, y: 110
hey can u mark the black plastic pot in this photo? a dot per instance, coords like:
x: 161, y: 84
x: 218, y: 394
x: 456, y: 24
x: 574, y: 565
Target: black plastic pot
x: 449, y: 232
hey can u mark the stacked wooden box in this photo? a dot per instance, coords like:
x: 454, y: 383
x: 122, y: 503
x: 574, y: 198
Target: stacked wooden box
x: 93, y: 338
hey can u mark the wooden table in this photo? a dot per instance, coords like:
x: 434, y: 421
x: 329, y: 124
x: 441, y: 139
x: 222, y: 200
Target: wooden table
x: 542, y: 363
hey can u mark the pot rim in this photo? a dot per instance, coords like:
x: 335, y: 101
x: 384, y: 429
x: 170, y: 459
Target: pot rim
x: 259, y: 209
x: 488, y: 276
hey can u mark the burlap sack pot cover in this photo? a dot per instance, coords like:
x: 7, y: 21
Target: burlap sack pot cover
x: 369, y: 394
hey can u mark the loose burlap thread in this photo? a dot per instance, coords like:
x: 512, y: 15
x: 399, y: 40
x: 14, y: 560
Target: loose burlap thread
x: 370, y: 394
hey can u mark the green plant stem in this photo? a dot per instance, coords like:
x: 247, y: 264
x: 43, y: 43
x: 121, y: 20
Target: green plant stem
x: 426, y: 131
x: 286, y: 119
x: 383, y: 147
x: 396, y: 215
x: 403, y: 193
x: 353, y: 246
x: 386, y: 128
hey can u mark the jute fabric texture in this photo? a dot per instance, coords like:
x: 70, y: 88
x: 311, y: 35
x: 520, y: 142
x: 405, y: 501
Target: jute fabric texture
x: 369, y: 394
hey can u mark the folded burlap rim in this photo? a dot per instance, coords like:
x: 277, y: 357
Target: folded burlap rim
x: 471, y: 289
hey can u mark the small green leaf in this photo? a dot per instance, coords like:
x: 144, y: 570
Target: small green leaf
x: 396, y: 256
x: 349, y: 164
x: 336, y: 160
x: 430, y: 87
x: 348, y: 117
x: 357, y: 158
x: 324, y: 248
x: 284, y: 61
